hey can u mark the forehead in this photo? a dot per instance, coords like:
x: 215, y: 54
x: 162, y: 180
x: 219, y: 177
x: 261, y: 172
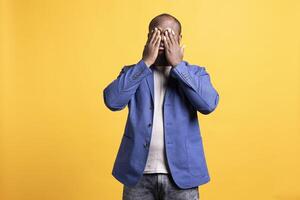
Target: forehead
x: 163, y: 23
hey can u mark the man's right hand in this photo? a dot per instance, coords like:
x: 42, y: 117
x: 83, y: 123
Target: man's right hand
x: 152, y: 47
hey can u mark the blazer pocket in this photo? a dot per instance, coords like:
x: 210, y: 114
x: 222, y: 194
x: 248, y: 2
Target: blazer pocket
x: 196, y: 160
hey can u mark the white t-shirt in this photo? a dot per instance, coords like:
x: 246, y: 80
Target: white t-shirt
x: 156, y: 161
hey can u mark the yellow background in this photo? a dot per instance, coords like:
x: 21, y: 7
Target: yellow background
x: 58, y: 141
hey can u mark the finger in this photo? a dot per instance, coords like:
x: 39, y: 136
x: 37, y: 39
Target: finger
x: 175, y: 37
x: 154, y: 36
x: 172, y: 37
x: 167, y: 39
x: 157, y: 42
x: 156, y: 39
x: 166, y: 42
x: 173, y: 32
x: 150, y: 36
x: 170, y: 34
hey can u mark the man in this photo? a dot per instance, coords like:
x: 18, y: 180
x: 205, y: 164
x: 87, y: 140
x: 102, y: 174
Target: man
x: 161, y: 154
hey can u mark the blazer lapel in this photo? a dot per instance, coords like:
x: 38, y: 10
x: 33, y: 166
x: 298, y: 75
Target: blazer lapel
x: 150, y: 83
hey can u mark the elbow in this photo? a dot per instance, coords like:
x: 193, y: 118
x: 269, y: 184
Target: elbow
x: 110, y: 103
x: 209, y: 108
x: 112, y: 107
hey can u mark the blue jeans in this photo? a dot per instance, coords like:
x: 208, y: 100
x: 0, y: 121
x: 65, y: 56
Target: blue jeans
x: 158, y: 186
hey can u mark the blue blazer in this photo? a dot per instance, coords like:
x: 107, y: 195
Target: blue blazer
x: 189, y: 90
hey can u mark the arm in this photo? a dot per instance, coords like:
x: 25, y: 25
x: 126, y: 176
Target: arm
x: 118, y: 93
x: 197, y: 87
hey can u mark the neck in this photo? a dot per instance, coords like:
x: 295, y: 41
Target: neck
x: 161, y: 61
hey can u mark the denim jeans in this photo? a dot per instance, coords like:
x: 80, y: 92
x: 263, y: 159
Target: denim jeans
x: 158, y: 186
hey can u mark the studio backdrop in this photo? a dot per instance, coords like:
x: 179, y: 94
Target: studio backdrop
x: 58, y: 141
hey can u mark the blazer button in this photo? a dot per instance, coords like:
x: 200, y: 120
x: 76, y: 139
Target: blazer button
x: 145, y: 144
x: 149, y: 125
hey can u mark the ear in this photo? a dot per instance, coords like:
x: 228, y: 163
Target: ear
x: 179, y: 38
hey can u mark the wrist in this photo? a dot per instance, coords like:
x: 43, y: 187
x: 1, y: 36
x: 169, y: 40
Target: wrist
x: 175, y: 64
x: 147, y: 63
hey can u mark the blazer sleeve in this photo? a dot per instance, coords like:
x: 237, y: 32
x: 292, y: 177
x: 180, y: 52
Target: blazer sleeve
x: 197, y: 87
x: 119, y: 92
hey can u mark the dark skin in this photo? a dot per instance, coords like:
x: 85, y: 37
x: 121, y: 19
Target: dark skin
x: 163, y: 44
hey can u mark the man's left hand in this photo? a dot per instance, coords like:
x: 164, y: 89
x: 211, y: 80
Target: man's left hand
x: 173, y: 52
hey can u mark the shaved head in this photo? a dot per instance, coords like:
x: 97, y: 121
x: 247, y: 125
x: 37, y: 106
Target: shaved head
x: 165, y: 16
